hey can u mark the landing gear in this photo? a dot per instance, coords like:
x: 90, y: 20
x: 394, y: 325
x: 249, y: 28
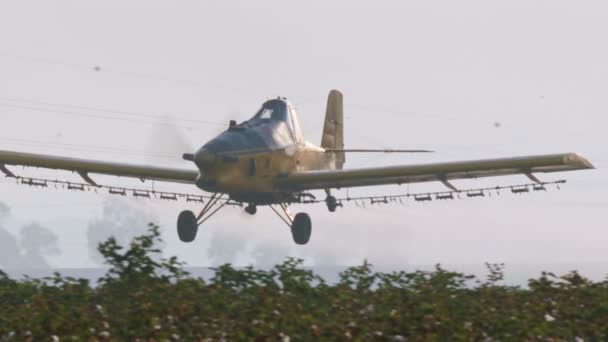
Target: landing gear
x: 187, y: 226
x: 251, y: 209
x: 300, y: 225
x: 301, y: 228
x: 332, y: 203
x: 187, y: 223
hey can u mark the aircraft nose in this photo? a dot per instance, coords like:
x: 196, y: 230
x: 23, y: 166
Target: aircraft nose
x: 204, y: 158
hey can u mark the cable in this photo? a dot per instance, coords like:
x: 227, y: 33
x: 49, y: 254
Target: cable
x: 90, y: 148
x: 367, y: 108
x: 163, y: 154
x: 97, y: 116
x: 115, y: 111
x: 124, y: 73
x: 413, y: 114
x: 42, y: 60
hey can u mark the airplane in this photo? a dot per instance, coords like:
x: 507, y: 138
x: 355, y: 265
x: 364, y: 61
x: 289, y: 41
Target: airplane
x: 265, y: 161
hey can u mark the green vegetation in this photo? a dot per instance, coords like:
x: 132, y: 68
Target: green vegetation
x: 146, y: 297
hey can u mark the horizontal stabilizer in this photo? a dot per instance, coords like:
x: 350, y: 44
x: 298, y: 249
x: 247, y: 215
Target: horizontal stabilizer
x: 350, y: 150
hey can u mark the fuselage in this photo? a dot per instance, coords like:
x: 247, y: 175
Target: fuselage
x: 244, y: 160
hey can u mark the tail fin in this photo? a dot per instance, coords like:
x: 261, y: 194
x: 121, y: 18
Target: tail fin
x: 333, y: 129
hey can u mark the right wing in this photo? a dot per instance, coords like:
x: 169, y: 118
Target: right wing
x: 84, y: 167
x: 443, y: 172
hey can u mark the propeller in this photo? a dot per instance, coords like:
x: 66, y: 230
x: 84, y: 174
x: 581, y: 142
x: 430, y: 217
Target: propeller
x: 166, y: 139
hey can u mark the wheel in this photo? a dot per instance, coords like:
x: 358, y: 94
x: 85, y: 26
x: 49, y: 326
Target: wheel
x: 332, y: 203
x: 251, y: 209
x: 186, y: 226
x: 301, y: 228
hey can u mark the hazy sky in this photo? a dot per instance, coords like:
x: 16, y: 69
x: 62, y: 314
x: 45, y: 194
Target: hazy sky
x: 91, y: 79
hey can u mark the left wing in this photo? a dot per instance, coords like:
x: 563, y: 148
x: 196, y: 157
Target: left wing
x: 432, y: 172
x: 84, y: 167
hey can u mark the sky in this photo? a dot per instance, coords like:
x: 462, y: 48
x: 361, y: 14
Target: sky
x: 145, y: 81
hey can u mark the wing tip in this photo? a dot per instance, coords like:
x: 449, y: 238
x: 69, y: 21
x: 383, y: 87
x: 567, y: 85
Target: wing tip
x: 584, y: 163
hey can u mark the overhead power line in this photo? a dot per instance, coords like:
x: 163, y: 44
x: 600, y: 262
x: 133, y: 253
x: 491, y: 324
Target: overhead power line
x: 99, y: 116
x: 124, y: 73
x: 107, y: 110
x: 196, y: 83
x: 90, y: 148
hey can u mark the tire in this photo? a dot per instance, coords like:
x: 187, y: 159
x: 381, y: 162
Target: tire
x: 301, y: 228
x: 186, y: 226
x: 332, y: 203
x: 251, y: 209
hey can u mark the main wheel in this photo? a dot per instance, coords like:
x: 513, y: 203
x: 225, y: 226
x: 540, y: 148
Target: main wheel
x: 301, y: 228
x: 187, y: 226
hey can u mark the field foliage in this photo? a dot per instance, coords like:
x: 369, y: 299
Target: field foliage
x: 145, y: 297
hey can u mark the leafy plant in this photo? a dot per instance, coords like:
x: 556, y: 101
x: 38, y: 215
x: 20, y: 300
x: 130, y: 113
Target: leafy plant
x: 146, y: 296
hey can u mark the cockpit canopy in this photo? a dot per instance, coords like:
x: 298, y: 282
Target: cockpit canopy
x: 276, y: 111
x: 274, y: 126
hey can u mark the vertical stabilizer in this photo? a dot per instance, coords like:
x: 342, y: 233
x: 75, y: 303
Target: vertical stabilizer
x: 333, y: 129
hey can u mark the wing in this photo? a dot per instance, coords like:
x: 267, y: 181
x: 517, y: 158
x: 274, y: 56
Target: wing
x: 432, y: 172
x: 84, y: 167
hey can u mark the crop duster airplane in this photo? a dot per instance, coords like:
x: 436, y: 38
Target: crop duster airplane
x: 265, y: 161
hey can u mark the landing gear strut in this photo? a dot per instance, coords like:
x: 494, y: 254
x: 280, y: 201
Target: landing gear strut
x: 187, y: 223
x: 301, y: 225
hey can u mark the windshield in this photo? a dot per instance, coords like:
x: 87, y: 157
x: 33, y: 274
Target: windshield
x: 274, y: 110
